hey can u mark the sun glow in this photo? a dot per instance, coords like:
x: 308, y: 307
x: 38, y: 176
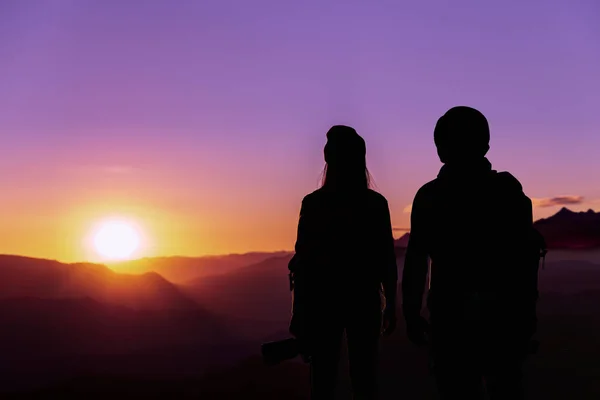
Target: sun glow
x: 116, y: 240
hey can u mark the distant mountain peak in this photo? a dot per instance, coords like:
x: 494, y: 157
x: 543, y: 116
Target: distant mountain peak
x: 565, y: 210
x: 569, y: 229
x: 567, y: 213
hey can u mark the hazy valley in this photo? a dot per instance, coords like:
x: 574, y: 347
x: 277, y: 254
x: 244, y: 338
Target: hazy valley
x: 182, y: 327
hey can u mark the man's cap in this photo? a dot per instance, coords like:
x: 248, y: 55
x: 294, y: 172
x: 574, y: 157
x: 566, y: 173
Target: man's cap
x: 462, y: 128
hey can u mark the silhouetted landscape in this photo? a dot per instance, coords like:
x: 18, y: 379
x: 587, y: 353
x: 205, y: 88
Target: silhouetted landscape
x: 171, y: 170
x: 89, y: 331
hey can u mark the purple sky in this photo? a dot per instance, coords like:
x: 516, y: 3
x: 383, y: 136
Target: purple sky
x: 210, y: 115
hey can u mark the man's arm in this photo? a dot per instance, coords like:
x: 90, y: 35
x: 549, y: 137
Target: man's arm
x: 416, y: 261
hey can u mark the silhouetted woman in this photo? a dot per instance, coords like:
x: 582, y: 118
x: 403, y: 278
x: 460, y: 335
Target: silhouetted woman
x: 344, y: 257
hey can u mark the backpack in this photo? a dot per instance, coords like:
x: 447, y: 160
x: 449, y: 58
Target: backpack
x: 526, y: 252
x: 509, y: 246
x: 526, y: 245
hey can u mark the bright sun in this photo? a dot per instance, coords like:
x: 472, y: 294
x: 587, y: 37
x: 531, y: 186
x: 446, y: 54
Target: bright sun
x: 116, y: 240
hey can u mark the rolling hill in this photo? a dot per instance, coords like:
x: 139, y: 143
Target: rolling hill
x: 254, y: 299
x: 143, y: 334
x: 184, y: 269
x: 60, y: 321
x: 47, y: 340
x: 48, y: 279
x: 564, y: 368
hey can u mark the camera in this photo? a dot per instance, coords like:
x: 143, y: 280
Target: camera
x: 274, y: 353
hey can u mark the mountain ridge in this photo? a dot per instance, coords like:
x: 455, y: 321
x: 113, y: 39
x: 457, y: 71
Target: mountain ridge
x: 183, y: 269
x: 567, y: 229
x: 42, y: 278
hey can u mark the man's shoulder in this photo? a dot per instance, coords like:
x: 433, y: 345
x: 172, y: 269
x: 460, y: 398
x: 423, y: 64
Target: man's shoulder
x: 509, y: 192
x: 426, y: 195
x: 507, y: 181
x: 427, y: 191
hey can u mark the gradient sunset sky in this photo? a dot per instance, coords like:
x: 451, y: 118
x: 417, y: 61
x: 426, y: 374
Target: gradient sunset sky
x: 204, y: 121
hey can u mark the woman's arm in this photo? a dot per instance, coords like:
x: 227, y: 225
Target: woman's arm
x: 390, y: 269
x: 301, y: 246
x: 297, y: 267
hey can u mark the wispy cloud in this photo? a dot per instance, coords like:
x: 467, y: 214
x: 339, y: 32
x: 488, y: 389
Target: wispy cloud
x: 99, y: 169
x: 557, y: 201
x: 408, y: 208
x: 118, y: 169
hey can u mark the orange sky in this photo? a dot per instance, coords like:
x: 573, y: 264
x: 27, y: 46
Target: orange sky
x: 55, y: 222
x: 191, y: 205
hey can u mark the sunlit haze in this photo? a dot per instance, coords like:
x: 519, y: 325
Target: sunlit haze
x: 204, y: 121
x: 116, y: 240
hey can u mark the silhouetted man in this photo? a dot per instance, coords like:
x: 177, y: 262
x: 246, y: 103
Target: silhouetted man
x: 475, y: 227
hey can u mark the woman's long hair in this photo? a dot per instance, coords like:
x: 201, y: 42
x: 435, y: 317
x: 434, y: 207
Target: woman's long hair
x: 345, y: 160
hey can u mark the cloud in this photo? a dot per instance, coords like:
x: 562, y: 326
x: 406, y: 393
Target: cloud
x: 408, y: 208
x: 557, y: 201
x: 399, y: 229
